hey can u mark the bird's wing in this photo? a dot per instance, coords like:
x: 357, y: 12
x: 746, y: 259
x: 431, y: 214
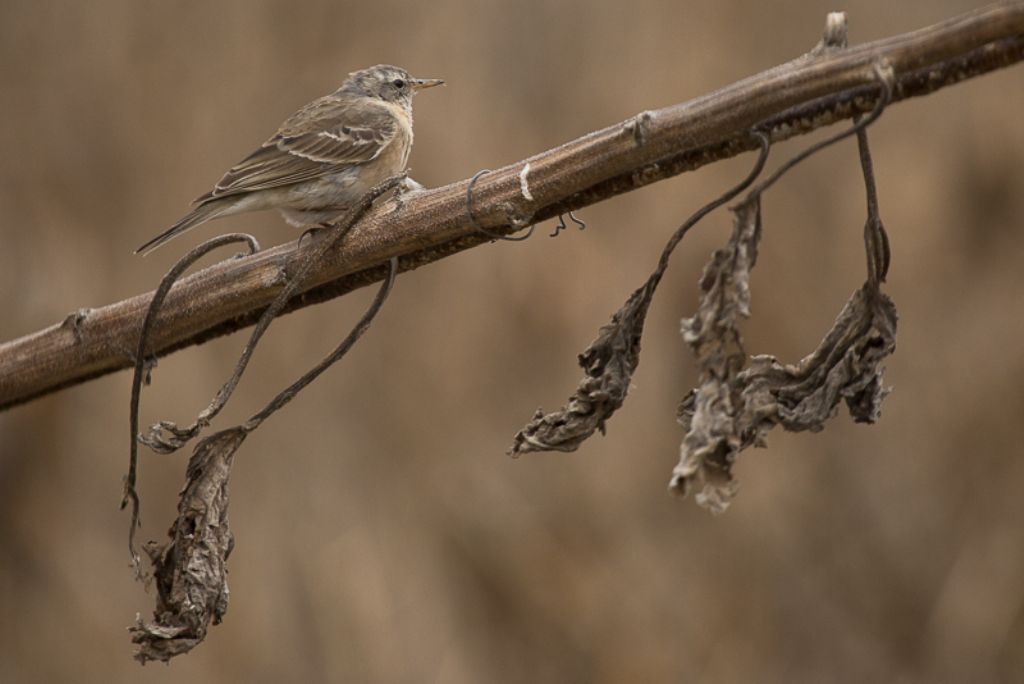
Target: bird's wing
x: 322, y: 138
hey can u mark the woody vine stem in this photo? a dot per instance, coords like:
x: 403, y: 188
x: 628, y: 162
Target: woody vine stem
x: 815, y: 90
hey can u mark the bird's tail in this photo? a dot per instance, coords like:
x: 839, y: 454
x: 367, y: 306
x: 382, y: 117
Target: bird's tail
x: 201, y: 214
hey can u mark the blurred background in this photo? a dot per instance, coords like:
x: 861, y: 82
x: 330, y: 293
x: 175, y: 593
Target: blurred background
x: 382, y: 534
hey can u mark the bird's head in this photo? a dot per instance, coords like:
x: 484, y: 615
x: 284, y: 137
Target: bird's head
x: 389, y: 83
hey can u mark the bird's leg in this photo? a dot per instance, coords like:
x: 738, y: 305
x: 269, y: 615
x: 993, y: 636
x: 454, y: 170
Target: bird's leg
x: 409, y: 185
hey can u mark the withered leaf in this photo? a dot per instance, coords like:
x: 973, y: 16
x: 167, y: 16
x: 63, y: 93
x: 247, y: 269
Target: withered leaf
x: 734, y: 408
x: 191, y: 570
x: 608, y: 363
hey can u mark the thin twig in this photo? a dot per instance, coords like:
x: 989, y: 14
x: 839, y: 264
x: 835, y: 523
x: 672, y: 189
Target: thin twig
x: 876, y: 241
x: 130, y: 494
x: 357, y: 331
x: 682, y: 230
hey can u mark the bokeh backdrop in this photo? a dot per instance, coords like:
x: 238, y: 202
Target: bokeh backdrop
x: 382, y: 534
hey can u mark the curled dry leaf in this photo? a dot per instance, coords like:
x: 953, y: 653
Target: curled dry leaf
x: 707, y: 413
x: 165, y: 437
x: 734, y: 408
x: 191, y: 571
x: 608, y: 363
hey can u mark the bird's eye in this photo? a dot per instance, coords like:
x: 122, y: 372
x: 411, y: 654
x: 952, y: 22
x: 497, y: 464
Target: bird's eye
x: 398, y: 83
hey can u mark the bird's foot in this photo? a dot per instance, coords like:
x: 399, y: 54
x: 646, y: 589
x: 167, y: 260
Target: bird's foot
x: 406, y: 188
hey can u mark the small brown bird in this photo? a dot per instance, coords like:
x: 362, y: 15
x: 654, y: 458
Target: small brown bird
x: 323, y: 158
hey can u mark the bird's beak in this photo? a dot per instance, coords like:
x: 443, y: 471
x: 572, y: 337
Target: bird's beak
x: 422, y: 83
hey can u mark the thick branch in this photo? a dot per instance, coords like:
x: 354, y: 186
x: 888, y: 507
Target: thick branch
x: 807, y: 93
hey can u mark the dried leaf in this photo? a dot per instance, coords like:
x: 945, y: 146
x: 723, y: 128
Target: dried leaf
x: 708, y: 412
x: 845, y: 367
x: 609, y: 363
x: 734, y: 408
x: 191, y: 571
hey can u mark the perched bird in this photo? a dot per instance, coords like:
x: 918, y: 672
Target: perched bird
x: 323, y: 158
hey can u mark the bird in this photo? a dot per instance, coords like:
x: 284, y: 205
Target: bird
x: 323, y: 158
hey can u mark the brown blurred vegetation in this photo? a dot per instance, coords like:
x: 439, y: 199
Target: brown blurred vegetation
x: 382, y: 535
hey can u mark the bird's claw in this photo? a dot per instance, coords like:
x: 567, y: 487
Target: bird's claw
x: 407, y: 187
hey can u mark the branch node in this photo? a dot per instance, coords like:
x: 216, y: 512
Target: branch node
x: 638, y: 125
x: 517, y: 217
x: 835, y: 33
x: 73, y: 322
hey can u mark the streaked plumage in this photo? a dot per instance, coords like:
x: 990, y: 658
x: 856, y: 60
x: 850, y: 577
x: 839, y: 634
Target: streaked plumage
x: 322, y: 158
